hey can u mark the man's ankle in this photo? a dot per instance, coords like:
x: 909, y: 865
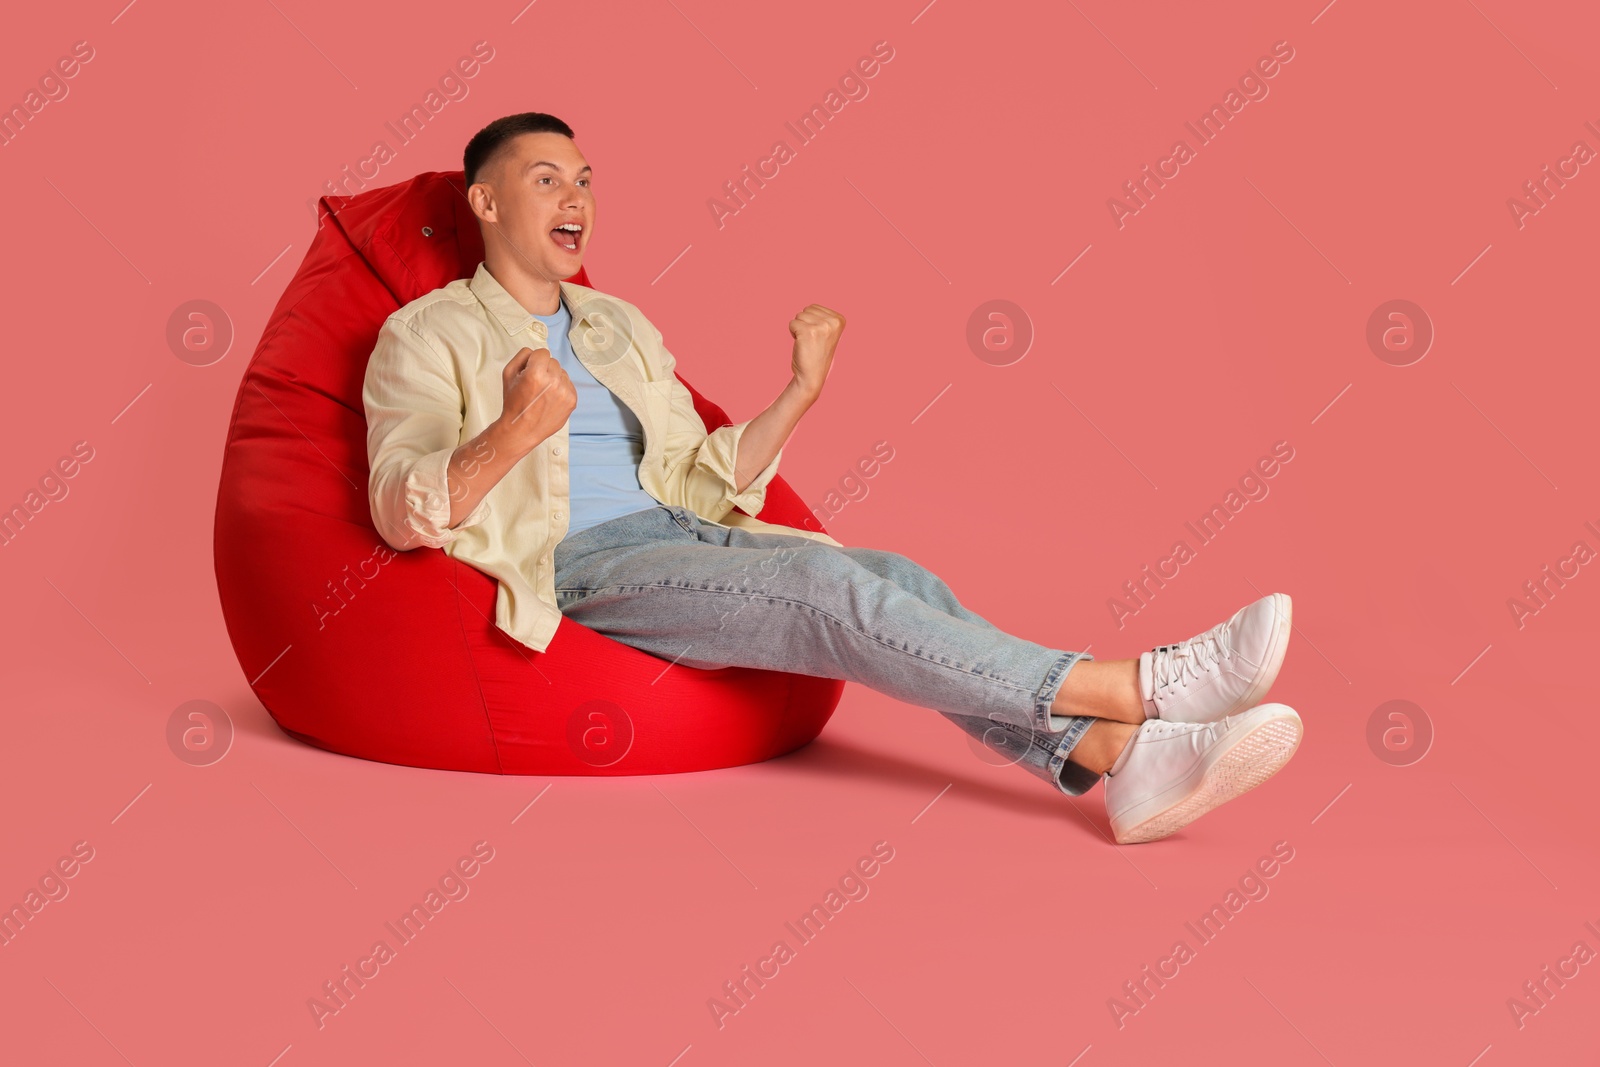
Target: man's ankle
x: 1102, y: 744
x: 1107, y: 689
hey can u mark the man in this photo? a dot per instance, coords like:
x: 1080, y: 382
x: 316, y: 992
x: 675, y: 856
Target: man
x: 534, y: 428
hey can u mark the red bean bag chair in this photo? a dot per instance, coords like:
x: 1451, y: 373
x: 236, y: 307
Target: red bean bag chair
x: 395, y: 657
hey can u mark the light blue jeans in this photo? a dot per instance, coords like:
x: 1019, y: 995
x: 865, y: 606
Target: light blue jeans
x: 702, y: 595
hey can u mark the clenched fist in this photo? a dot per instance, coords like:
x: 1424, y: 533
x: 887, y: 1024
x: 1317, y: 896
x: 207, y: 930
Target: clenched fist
x: 538, y: 398
x: 816, y: 333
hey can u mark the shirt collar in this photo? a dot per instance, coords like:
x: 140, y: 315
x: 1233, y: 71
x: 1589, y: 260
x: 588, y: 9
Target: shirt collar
x: 512, y: 316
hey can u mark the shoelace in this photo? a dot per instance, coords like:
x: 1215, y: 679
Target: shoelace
x: 1163, y: 728
x: 1175, y: 663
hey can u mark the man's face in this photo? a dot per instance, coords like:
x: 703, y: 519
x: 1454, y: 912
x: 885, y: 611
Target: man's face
x: 530, y: 196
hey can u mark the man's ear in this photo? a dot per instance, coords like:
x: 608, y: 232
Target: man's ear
x: 480, y: 197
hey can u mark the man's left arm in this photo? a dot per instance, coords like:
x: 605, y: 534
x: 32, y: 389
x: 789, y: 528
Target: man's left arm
x: 714, y: 473
x: 816, y: 333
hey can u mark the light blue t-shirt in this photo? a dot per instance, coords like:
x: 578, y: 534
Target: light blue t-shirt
x: 604, y: 438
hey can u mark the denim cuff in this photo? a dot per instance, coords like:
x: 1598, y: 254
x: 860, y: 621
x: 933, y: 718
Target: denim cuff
x: 1071, y: 778
x: 1054, y: 678
x: 1074, y: 779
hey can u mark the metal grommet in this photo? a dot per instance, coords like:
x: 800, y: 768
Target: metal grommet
x: 427, y: 231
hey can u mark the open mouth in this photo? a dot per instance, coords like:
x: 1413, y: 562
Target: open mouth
x: 566, y: 235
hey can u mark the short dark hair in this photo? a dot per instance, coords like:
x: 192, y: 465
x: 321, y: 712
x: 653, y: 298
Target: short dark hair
x: 487, y: 142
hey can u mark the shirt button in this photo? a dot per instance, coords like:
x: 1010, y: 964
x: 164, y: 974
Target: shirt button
x: 555, y: 450
x: 558, y: 515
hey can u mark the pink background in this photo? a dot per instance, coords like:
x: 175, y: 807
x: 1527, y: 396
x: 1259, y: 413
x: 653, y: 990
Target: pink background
x: 1223, y: 317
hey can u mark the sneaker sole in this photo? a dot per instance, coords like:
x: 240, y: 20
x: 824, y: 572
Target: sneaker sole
x: 1251, y: 760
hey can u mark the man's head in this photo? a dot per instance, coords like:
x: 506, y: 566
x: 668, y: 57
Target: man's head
x: 528, y: 184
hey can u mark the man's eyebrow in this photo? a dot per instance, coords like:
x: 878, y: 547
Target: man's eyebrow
x: 554, y: 166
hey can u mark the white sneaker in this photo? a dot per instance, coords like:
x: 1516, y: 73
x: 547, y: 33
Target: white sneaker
x: 1229, y: 667
x: 1172, y: 773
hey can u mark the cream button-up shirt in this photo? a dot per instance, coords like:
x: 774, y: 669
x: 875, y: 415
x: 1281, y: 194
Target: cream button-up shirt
x: 434, y: 382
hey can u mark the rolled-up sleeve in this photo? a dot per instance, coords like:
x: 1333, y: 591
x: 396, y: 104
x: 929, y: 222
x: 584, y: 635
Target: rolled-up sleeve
x: 701, y: 467
x: 414, y: 417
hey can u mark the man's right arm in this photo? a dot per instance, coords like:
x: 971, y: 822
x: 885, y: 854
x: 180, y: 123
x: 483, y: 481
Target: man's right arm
x: 477, y: 467
x: 424, y: 486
